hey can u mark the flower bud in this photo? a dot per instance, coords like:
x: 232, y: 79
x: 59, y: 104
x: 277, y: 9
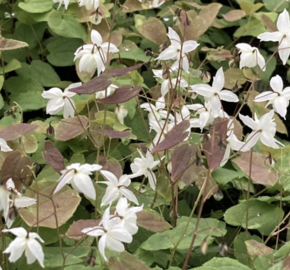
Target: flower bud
x: 270, y: 161
x: 169, y: 167
x: 50, y: 130
x: 204, y: 247
x: 223, y: 249
x: 234, y: 51
x: 232, y: 63
x: 205, y: 76
x: 121, y: 112
x: 218, y: 195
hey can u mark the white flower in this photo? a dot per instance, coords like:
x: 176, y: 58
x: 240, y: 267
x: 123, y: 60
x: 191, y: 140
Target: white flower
x: 4, y: 146
x: 59, y: 100
x: 89, y: 4
x: 78, y: 176
x: 215, y: 93
x: 25, y: 242
x: 117, y: 188
x: 168, y: 83
x: 94, y: 55
x: 127, y: 215
x: 112, y: 234
x: 279, y: 97
x: 232, y: 143
x: 176, y: 51
x: 156, y: 111
x: 250, y: 56
x: 144, y: 166
x: 282, y: 36
x: 263, y: 129
x: 65, y: 2
x: 6, y: 191
x: 121, y: 112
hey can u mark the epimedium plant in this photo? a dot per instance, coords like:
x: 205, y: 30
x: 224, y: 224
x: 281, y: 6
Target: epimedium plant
x: 142, y: 135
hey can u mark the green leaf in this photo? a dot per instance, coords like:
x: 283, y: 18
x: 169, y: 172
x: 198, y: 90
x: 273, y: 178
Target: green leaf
x: 40, y: 72
x: 253, y: 28
x: 36, y: 6
x: 262, y: 216
x: 222, y: 264
x: 66, y: 25
x: 11, y: 66
x: 168, y: 239
x: 223, y: 176
x: 23, y: 90
x: 62, y: 50
x: 276, y: 5
x: 31, y: 34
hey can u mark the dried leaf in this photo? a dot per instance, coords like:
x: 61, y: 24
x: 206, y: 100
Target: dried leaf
x: 234, y: 15
x: 270, y: 25
x: 94, y: 85
x: 215, y: 143
x: 11, y: 44
x: 14, y: 132
x: 149, y: 220
x: 53, y: 157
x: 255, y: 248
x: 65, y: 202
x: 260, y: 172
x: 200, y: 23
x: 121, y: 94
x: 69, y: 128
x: 16, y: 166
x: 75, y: 230
x: 173, y: 137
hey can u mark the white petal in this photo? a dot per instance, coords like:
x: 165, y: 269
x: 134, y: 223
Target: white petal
x: 84, y: 183
x: 102, y: 245
x: 185, y: 64
x: 64, y: 179
x: 189, y: 46
x: 129, y: 195
x: 249, y: 122
x: 284, y: 50
x: 268, y: 140
x: 4, y: 146
x: 244, y: 47
x: 174, y: 37
x: 112, y: 194
x: 280, y: 105
x: 34, y: 251
x: 52, y: 93
x: 276, y: 84
x: 273, y: 36
x: 268, y: 95
x: 283, y: 23
x: 218, y: 80
x: 229, y: 96
x: 110, y: 177
x: 68, y: 109
x: 96, y: 37
x: 169, y: 53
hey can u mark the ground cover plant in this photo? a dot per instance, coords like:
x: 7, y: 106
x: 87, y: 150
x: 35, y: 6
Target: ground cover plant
x: 144, y: 134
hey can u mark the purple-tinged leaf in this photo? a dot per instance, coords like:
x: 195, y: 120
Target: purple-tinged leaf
x: 16, y: 131
x: 16, y: 166
x: 53, y: 157
x: 111, y: 165
x: 122, y: 71
x: 121, y: 94
x: 95, y: 85
x: 70, y: 128
x: 182, y: 157
x: 173, y: 137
